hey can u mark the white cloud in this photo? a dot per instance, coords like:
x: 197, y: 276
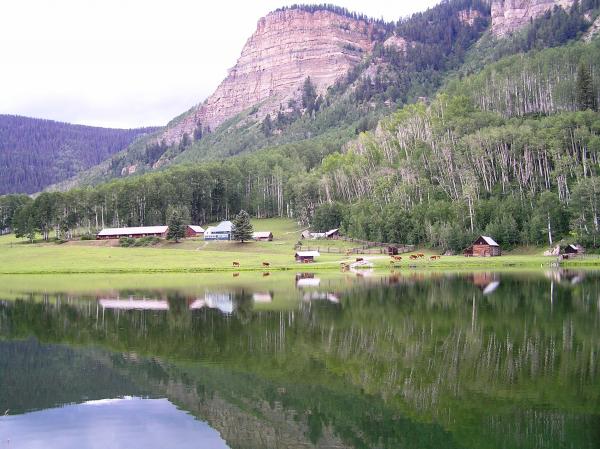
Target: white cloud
x: 126, y: 63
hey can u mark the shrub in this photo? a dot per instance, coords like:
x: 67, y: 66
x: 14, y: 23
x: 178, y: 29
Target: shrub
x: 126, y: 242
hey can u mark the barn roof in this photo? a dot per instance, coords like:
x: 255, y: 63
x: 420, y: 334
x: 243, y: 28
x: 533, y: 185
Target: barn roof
x: 134, y: 230
x: 308, y: 254
x: 223, y: 226
x: 331, y: 232
x: 196, y: 228
x: 490, y: 241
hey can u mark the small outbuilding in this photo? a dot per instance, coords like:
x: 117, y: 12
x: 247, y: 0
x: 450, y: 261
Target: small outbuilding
x: 306, y: 256
x: 572, y: 250
x: 263, y: 236
x: 194, y: 231
x: 332, y: 234
x: 305, y: 234
x: 484, y: 246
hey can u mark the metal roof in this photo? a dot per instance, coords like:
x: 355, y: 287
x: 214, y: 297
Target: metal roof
x: 261, y: 234
x: 308, y: 254
x: 331, y: 232
x: 196, y: 228
x: 490, y: 241
x: 224, y: 226
x: 134, y: 230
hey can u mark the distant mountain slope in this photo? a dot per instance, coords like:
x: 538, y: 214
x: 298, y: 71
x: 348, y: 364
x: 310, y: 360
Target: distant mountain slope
x: 307, y: 72
x: 36, y: 153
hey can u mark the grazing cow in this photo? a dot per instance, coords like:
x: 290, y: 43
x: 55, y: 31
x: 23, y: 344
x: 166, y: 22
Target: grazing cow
x: 397, y: 257
x: 236, y: 275
x: 266, y: 264
x: 413, y: 257
x: 435, y: 257
x: 420, y: 255
x: 266, y: 273
x: 236, y: 264
x: 359, y: 259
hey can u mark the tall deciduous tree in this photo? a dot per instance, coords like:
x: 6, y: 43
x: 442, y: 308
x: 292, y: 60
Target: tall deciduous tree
x: 242, y: 228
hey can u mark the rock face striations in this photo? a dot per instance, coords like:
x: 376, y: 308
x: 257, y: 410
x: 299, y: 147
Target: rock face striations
x: 509, y: 16
x: 287, y: 47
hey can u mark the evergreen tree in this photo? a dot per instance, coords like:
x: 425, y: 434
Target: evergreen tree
x: 267, y: 125
x: 176, y: 227
x: 242, y: 228
x: 586, y: 96
x: 309, y: 95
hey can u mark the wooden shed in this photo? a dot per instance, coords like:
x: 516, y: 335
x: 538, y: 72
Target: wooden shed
x: 194, y: 231
x: 484, y: 246
x: 263, y: 236
x: 332, y: 234
x: 306, y: 256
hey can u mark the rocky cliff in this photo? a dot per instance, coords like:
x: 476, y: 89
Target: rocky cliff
x: 287, y: 47
x: 509, y: 16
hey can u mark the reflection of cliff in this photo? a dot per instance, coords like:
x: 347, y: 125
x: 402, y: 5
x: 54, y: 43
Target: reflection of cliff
x: 264, y: 426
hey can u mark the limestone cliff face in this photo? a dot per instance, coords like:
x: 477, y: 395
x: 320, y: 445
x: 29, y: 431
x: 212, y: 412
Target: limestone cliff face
x: 287, y: 47
x: 509, y: 16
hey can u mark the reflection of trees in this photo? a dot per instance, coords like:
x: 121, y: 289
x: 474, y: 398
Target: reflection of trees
x: 437, y: 350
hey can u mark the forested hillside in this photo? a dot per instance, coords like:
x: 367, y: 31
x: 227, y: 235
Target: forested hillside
x: 433, y: 174
x: 35, y: 153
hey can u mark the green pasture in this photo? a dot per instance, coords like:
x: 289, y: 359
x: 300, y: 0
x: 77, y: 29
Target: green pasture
x: 17, y: 256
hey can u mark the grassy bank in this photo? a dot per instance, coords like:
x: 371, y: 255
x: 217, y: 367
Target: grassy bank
x: 198, y: 256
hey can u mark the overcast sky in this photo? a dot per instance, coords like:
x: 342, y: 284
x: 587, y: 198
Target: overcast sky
x: 126, y: 63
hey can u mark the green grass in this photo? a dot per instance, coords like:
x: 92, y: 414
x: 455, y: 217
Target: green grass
x: 198, y: 256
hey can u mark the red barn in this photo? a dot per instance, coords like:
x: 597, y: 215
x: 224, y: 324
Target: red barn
x: 134, y: 232
x: 194, y: 231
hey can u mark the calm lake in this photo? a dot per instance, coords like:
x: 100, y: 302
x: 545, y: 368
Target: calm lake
x: 484, y: 360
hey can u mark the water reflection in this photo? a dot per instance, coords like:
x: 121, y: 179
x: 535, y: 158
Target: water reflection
x: 418, y: 360
x: 127, y: 423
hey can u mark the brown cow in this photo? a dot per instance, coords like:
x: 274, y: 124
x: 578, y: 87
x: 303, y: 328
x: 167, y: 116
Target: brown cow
x: 359, y: 259
x: 435, y: 257
x: 413, y: 257
x: 420, y: 255
x: 236, y: 275
x: 266, y: 264
x: 236, y: 264
x: 397, y: 257
x: 266, y: 273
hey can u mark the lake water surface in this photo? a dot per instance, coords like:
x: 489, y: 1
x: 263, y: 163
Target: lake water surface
x: 483, y: 360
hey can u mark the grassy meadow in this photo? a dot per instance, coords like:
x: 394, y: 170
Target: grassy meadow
x: 196, y: 256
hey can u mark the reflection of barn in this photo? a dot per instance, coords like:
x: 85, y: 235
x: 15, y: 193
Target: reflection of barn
x: 213, y: 300
x: 487, y: 282
x: 321, y: 296
x: 262, y: 298
x: 483, y: 247
x: 133, y: 232
x: 133, y: 304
